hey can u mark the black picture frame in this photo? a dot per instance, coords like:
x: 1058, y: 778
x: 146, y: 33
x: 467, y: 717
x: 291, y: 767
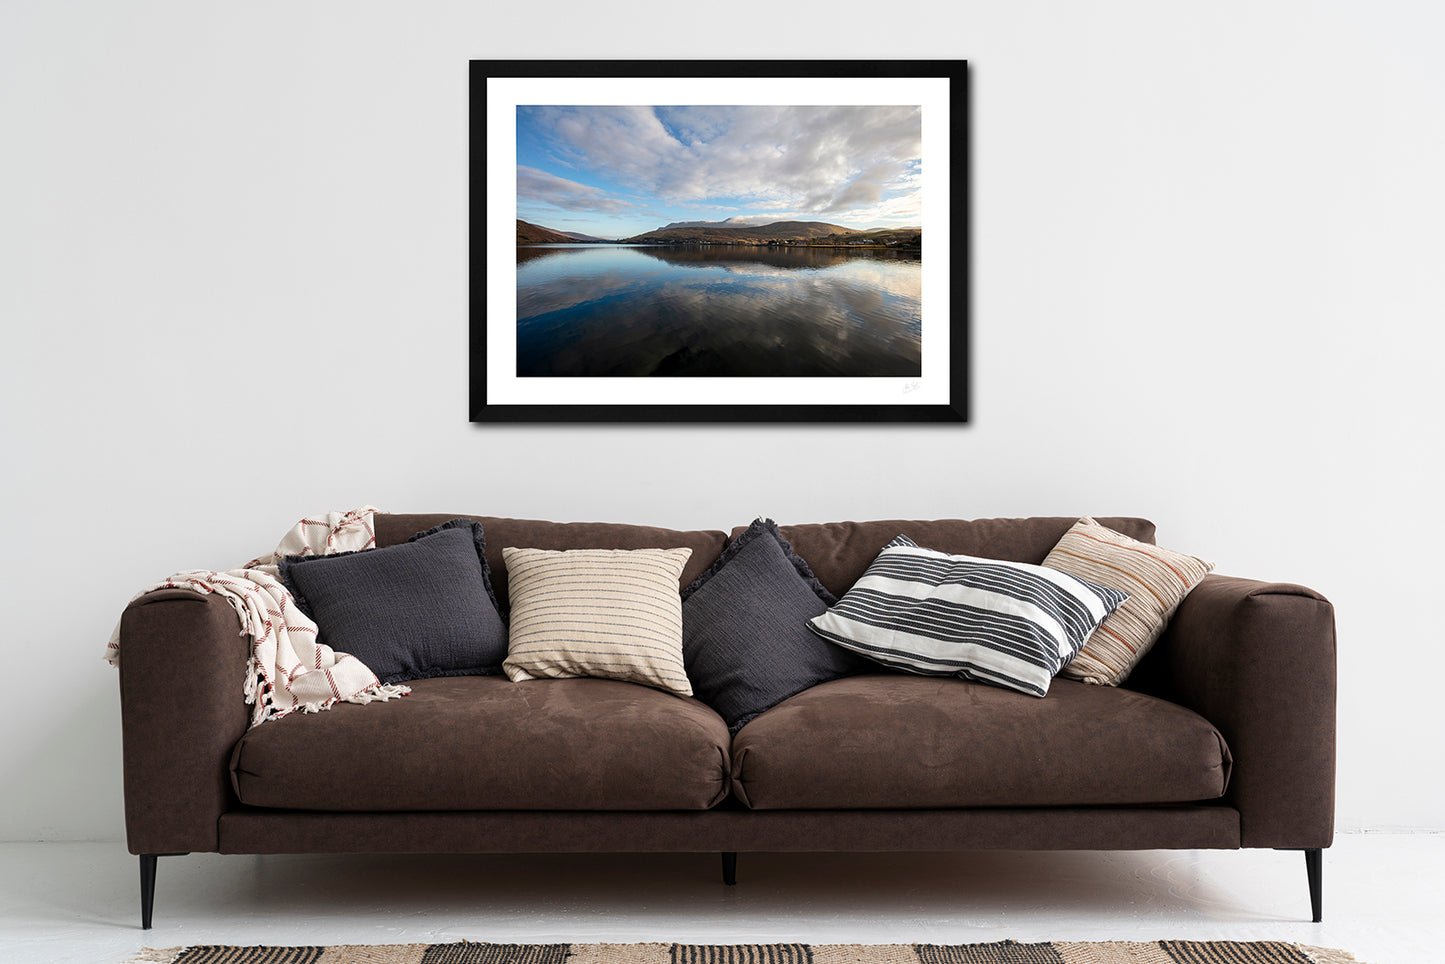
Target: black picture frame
x: 950, y: 406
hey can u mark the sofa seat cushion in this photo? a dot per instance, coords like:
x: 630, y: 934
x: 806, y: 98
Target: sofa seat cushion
x: 486, y: 743
x: 894, y: 741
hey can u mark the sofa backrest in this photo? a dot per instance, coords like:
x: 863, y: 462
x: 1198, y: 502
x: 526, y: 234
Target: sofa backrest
x: 839, y: 552
x: 706, y: 545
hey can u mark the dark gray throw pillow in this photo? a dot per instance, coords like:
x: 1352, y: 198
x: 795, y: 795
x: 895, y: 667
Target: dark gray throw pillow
x: 416, y: 610
x: 745, y: 637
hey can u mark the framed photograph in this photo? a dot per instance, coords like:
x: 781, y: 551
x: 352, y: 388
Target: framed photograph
x: 725, y: 241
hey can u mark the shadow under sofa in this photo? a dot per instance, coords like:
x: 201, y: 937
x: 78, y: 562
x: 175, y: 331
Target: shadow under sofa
x: 1222, y: 738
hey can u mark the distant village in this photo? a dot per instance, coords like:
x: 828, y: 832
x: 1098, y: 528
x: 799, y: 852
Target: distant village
x: 914, y: 240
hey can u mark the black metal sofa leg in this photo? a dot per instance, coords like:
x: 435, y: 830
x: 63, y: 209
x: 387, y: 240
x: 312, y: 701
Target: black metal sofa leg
x: 148, y: 886
x: 730, y: 867
x: 1315, y: 868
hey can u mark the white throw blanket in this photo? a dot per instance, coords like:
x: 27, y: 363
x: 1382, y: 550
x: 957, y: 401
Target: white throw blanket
x: 290, y: 669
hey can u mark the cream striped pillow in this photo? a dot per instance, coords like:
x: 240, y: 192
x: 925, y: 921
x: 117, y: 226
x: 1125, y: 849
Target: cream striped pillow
x: 1156, y: 579
x: 613, y: 613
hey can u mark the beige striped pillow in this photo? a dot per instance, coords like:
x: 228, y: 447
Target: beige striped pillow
x: 613, y: 613
x: 1156, y: 579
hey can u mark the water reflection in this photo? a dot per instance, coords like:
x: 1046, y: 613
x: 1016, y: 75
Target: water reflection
x: 781, y: 256
x: 619, y: 311
x: 532, y: 252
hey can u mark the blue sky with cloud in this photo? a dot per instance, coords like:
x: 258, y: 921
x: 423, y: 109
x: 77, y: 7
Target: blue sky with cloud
x: 614, y: 172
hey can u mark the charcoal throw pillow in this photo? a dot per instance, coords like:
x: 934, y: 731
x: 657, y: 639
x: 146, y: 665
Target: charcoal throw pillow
x: 1008, y: 623
x: 420, y: 609
x: 745, y: 637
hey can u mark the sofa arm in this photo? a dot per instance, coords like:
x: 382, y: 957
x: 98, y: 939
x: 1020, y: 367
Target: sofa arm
x: 182, y: 673
x: 1257, y: 660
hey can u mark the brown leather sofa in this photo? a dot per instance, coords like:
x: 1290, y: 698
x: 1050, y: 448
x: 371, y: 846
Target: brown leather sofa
x: 1224, y: 737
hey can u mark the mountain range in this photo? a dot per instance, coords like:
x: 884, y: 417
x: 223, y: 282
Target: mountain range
x: 528, y: 233
x: 738, y: 222
x: 732, y: 232
x: 721, y: 232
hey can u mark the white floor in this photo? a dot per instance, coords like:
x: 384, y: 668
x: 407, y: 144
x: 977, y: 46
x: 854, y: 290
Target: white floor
x: 1384, y: 899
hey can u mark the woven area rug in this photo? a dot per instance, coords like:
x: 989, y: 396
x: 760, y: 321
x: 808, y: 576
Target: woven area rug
x: 1004, y: 952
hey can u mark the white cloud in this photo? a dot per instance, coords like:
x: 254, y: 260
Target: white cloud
x: 541, y: 187
x: 906, y: 210
x: 809, y: 160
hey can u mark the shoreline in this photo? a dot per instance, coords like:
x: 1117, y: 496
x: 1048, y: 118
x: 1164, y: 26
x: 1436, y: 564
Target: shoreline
x: 713, y: 244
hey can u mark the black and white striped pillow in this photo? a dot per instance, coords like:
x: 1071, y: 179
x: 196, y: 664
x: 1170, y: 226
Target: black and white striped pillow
x: 1006, y: 623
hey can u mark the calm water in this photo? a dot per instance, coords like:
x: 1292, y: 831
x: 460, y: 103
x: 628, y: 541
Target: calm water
x: 626, y: 310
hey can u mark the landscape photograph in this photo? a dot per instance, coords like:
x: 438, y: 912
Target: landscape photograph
x: 748, y: 241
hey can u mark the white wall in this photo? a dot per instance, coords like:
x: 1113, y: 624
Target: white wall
x: 233, y: 283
